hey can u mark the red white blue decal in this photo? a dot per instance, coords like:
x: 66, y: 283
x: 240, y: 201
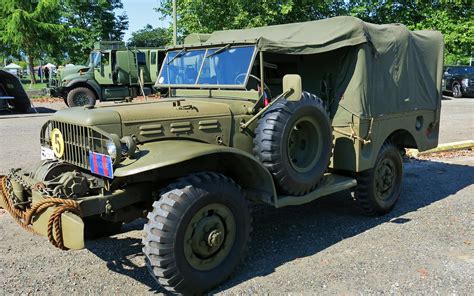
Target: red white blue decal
x: 101, y: 164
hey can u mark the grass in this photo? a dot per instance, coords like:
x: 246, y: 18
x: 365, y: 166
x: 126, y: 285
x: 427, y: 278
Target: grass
x: 27, y: 83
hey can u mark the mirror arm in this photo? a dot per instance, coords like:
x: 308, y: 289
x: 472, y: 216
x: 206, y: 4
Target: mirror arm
x: 244, y: 125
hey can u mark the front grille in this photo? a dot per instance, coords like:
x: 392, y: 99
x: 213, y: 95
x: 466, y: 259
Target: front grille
x: 78, y: 141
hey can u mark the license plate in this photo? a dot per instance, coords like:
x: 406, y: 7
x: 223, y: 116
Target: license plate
x: 47, y: 153
x: 101, y: 164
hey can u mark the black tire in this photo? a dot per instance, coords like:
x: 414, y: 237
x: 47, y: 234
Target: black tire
x: 457, y: 93
x: 178, y: 216
x: 376, y: 198
x: 297, y: 167
x: 81, y: 96
x: 95, y: 227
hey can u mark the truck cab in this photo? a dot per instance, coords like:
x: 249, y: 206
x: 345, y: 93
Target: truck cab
x: 113, y: 72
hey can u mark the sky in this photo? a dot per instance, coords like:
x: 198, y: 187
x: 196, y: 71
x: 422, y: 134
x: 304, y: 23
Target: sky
x: 140, y: 13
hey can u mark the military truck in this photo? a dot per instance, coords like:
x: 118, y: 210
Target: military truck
x: 113, y: 72
x: 279, y: 115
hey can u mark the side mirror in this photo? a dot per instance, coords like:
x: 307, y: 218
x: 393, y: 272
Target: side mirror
x: 292, y: 83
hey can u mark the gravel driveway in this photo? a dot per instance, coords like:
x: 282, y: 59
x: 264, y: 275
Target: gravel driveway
x: 425, y: 246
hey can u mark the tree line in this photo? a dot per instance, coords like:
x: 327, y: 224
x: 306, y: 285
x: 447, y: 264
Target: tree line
x: 61, y: 31
x: 453, y: 18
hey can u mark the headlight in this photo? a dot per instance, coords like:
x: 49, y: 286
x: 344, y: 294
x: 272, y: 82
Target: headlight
x: 465, y: 82
x: 111, y: 148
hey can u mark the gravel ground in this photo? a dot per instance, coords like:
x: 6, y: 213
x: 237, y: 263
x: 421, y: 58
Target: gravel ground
x: 425, y: 246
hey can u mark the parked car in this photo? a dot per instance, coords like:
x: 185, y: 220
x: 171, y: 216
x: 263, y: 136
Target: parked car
x: 459, y: 80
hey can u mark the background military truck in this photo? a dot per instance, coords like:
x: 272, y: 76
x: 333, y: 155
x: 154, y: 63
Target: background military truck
x: 113, y: 72
x: 279, y: 115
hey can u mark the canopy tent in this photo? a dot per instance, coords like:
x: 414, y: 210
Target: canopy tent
x: 50, y: 66
x: 12, y: 66
x: 377, y: 69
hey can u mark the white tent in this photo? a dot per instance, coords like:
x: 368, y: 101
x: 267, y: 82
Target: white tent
x: 12, y: 66
x: 50, y: 66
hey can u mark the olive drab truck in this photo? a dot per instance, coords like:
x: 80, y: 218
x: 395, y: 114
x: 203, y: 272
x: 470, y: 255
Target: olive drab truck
x: 113, y: 72
x: 278, y: 115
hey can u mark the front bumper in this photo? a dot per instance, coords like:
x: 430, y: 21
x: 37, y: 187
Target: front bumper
x: 468, y: 90
x: 71, y: 225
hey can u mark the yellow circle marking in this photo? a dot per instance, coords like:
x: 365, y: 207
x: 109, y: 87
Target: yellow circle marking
x: 57, y: 142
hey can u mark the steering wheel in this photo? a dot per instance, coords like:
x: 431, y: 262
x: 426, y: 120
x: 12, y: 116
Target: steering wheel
x: 243, y: 75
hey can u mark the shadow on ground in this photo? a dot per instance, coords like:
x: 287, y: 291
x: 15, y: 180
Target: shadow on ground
x: 283, y: 235
x: 31, y: 112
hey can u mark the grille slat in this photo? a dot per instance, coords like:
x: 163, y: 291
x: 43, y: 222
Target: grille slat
x: 78, y: 140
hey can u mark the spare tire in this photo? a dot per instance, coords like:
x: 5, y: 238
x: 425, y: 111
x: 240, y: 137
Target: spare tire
x: 293, y: 140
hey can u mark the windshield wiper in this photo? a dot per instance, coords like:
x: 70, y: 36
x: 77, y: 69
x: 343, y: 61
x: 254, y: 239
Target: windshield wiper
x: 223, y: 48
x: 176, y: 56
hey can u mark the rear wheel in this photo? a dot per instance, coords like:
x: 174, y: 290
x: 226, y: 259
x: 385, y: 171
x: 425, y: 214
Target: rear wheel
x: 197, y: 233
x: 378, y: 189
x: 81, y: 96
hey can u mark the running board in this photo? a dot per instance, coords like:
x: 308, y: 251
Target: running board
x: 331, y: 183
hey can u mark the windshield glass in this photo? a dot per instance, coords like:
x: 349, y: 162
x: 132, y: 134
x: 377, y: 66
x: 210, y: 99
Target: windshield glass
x: 181, y: 67
x: 220, y: 66
x: 94, y: 59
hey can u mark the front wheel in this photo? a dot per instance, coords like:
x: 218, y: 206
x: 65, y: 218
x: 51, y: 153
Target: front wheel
x: 196, y: 233
x: 81, y: 96
x: 457, y: 91
x: 378, y: 189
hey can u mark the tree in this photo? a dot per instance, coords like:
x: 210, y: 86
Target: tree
x: 149, y: 37
x: 206, y: 16
x: 454, y: 18
x: 91, y: 21
x: 32, y: 27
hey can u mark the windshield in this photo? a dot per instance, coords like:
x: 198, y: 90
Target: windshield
x: 220, y: 66
x: 94, y: 59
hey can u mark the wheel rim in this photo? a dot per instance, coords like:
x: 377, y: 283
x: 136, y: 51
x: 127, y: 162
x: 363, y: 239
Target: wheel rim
x: 303, y: 144
x: 81, y: 99
x: 456, y: 90
x: 385, y: 179
x: 209, y: 236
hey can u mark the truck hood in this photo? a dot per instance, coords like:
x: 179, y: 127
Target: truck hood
x: 71, y: 70
x: 132, y: 116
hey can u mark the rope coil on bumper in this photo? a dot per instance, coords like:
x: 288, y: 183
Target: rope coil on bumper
x: 25, y: 218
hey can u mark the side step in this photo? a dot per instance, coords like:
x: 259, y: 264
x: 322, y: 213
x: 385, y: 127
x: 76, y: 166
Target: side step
x: 331, y: 183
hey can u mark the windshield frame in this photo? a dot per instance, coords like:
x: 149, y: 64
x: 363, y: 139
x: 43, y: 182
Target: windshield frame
x: 209, y: 86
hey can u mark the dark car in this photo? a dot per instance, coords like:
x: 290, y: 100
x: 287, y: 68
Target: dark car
x: 459, y: 80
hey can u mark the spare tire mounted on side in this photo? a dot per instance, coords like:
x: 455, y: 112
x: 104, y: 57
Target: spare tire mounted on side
x: 294, y: 142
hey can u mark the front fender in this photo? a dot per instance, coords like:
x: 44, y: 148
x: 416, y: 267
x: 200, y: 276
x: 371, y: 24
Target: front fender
x: 177, y: 158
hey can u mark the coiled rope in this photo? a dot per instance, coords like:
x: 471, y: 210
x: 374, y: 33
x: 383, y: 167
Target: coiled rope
x: 24, y: 218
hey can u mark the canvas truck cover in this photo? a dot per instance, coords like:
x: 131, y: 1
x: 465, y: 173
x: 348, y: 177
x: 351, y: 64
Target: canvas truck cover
x: 391, y: 69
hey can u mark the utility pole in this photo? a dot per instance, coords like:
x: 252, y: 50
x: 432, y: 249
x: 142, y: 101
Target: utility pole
x: 174, y: 23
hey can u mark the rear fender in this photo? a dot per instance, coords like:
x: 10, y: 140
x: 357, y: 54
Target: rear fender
x: 175, y: 158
